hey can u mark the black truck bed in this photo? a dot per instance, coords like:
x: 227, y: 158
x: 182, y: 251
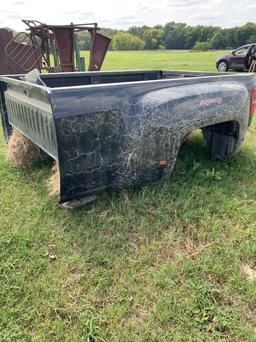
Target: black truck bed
x: 123, y: 128
x: 78, y: 79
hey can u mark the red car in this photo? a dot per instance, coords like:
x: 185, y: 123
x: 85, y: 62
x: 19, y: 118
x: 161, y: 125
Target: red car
x: 237, y: 59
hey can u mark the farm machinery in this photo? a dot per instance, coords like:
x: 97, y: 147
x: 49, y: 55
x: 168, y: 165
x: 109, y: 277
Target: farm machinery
x: 50, y: 48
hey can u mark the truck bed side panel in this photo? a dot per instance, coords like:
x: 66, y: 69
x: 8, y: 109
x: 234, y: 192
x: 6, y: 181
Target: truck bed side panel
x: 125, y: 134
x: 118, y: 138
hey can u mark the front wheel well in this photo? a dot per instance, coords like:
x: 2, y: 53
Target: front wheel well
x: 223, y: 60
x: 222, y: 65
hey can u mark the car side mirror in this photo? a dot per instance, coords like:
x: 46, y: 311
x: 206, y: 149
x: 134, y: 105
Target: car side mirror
x: 233, y: 52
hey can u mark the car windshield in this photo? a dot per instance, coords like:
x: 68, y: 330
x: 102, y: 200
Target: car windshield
x: 242, y: 51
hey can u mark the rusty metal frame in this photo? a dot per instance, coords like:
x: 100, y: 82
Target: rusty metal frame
x: 49, y: 33
x: 44, y: 40
x: 25, y: 55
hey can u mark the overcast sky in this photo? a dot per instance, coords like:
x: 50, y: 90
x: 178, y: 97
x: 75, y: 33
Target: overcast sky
x: 122, y: 14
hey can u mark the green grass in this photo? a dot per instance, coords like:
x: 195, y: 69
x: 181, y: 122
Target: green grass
x: 160, y: 59
x: 160, y: 263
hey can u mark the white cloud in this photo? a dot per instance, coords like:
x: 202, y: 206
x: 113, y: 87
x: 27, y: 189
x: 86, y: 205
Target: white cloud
x: 251, y: 6
x: 122, y: 13
x: 207, y: 18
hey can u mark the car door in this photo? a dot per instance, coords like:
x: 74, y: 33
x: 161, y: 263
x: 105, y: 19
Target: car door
x: 238, y: 57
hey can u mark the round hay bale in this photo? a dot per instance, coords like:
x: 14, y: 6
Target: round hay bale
x: 53, y: 183
x: 22, y: 152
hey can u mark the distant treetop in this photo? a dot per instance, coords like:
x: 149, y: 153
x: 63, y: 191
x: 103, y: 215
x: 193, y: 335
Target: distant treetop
x: 176, y: 36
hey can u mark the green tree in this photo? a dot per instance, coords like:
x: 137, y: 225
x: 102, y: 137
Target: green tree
x: 138, y: 30
x: 153, y: 38
x: 199, y: 33
x: 202, y: 46
x: 251, y: 39
x: 84, y: 39
x: 126, y: 41
x: 219, y: 40
x: 176, y: 37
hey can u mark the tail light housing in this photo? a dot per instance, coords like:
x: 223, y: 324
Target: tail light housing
x: 253, y: 103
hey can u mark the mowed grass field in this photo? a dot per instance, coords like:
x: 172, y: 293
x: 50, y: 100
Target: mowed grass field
x: 173, y: 261
x: 160, y: 59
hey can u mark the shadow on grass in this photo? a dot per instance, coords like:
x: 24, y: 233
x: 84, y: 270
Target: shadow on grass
x: 198, y: 189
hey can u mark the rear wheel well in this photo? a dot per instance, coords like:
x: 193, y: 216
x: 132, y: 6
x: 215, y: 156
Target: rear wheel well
x: 221, y: 139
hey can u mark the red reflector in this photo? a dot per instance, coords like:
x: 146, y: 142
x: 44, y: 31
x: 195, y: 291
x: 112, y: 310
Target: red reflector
x: 253, y: 103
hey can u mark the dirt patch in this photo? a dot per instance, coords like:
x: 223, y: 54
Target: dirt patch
x: 249, y: 272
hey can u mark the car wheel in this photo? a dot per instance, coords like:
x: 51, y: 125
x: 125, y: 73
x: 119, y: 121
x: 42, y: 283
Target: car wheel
x: 222, y: 66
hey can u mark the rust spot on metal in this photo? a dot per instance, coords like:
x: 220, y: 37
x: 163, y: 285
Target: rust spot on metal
x: 163, y: 162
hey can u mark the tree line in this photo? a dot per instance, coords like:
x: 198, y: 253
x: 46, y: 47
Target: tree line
x: 175, y: 36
